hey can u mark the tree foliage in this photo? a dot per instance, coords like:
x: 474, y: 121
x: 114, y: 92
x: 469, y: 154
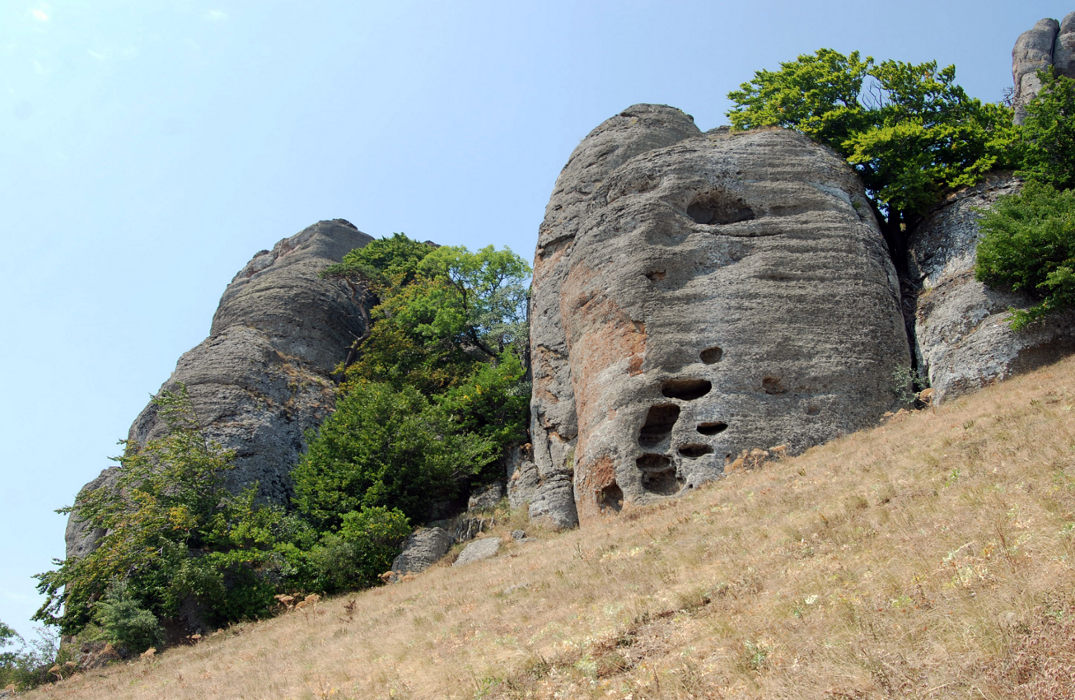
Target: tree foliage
x: 438, y: 389
x: 1048, y: 132
x: 1028, y: 245
x: 178, y: 548
x: 908, y: 129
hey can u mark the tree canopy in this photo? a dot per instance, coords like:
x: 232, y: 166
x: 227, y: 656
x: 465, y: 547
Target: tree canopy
x: 908, y: 129
x: 439, y: 387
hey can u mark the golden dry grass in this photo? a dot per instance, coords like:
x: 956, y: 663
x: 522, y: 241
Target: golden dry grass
x: 928, y: 557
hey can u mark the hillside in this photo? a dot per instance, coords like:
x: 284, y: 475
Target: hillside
x: 927, y: 557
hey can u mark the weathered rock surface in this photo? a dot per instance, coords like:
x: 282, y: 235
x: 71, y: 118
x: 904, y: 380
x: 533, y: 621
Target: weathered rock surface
x: 962, y: 334
x: 421, y: 550
x: 263, y: 376
x: 718, y: 294
x: 485, y: 548
x: 1047, y: 43
x: 553, y: 421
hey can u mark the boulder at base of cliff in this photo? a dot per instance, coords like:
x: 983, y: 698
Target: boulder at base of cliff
x: 964, y: 341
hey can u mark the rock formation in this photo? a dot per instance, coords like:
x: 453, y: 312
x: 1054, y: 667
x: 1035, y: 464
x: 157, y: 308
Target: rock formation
x: 263, y: 376
x: 963, y: 338
x: 553, y: 418
x: 698, y: 295
x: 1047, y: 43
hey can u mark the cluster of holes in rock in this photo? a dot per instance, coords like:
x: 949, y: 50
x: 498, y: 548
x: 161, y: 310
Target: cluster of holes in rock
x: 658, y: 472
x: 719, y: 207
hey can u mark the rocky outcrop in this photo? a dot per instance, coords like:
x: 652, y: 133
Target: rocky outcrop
x: 485, y: 548
x: 724, y: 292
x: 548, y: 481
x: 263, y: 376
x: 962, y: 334
x: 421, y: 550
x: 1047, y: 43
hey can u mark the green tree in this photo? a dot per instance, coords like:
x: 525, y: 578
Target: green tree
x: 908, y: 129
x: 438, y: 391
x: 178, y: 548
x: 1028, y: 245
x: 1048, y: 132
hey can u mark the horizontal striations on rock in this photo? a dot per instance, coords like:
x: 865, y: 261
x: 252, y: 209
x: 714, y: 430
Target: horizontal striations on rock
x: 263, y: 376
x: 962, y: 334
x: 727, y: 292
x: 635, y: 130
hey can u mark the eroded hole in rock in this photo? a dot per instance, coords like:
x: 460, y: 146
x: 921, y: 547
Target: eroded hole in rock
x: 659, y: 423
x: 686, y: 389
x: 658, y: 474
x: 773, y: 385
x: 655, y: 275
x: 610, y: 497
x: 712, y: 428
x: 813, y: 410
x: 712, y: 355
x: 653, y: 463
x: 695, y: 450
x: 719, y: 207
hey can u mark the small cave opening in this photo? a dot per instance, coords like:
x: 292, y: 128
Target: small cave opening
x: 653, y: 463
x: 773, y: 385
x: 711, y: 356
x: 655, y: 275
x: 719, y: 207
x: 813, y: 409
x: 712, y: 427
x: 686, y: 389
x: 610, y: 498
x: 658, y: 474
x: 695, y: 450
x: 659, y: 423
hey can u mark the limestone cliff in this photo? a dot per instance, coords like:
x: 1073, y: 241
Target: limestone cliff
x: 709, y: 294
x: 263, y: 376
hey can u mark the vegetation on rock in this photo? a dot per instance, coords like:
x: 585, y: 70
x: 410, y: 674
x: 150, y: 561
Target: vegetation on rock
x: 909, y: 130
x: 438, y: 393
x: 439, y: 388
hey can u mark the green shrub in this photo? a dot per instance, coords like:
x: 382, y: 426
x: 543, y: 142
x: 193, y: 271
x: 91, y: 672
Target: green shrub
x: 125, y: 623
x: 1048, y: 133
x: 1028, y: 245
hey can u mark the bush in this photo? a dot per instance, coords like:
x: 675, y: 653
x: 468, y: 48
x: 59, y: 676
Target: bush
x: 1028, y: 245
x: 1048, y: 132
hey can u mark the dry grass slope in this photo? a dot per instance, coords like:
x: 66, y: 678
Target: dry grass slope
x: 929, y: 557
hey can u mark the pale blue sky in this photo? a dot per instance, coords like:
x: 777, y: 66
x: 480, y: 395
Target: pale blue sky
x: 149, y: 149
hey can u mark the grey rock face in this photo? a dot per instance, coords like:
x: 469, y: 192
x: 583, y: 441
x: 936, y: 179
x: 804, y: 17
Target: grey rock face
x: 1047, y: 43
x: 963, y: 338
x: 421, y: 550
x: 721, y: 293
x: 485, y: 548
x: 263, y: 376
x: 553, y: 420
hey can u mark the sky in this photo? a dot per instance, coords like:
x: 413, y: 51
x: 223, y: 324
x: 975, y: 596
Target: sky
x: 149, y: 149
